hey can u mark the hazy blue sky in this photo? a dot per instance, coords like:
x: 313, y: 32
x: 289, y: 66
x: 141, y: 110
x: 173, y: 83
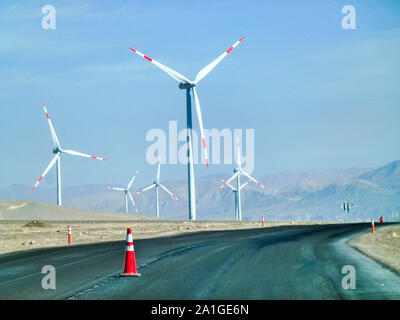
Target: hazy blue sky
x: 317, y: 96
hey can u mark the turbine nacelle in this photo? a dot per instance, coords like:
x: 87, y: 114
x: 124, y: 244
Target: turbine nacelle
x: 186, y: 85
x: 56, y: 150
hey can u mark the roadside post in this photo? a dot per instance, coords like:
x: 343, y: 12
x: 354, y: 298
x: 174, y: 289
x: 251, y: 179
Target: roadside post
x: 373, y: 226
x: 263, y: 221
x: 69, y: 235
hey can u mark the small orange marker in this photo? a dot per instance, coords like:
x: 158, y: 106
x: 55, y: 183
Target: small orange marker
x: 69, y: 235
x: 373, y: 226
x: 263, y: 221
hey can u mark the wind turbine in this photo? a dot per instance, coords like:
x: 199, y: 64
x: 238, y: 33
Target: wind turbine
x: 155, y: 185
x: 127, y: 193
x: 190, y: 86
x: 235, y: 192
x: 237, y: 172
x: 57, y: 150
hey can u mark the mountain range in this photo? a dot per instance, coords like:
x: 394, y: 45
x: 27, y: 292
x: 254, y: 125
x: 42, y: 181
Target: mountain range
x: 311, y: 195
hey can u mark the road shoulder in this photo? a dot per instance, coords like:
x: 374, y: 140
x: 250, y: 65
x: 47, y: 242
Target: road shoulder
x: 383, y: 246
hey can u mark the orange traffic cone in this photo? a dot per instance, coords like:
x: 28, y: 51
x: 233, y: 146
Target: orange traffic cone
x: 69, y: 235
x: 130, y: 261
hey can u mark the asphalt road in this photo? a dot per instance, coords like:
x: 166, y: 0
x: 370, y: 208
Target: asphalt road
x: 297, y: 262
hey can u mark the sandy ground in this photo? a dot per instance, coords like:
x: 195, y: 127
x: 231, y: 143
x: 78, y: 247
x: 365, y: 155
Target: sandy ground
x: 17, y: 232
x: 16, y: 235
x: 26, y: 210
x: 383, y: 246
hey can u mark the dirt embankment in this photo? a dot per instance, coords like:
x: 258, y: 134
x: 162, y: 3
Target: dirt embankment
x: 383, y: 246
x: 27, y: 224
x: 27, y: 210
x: 22, y: 235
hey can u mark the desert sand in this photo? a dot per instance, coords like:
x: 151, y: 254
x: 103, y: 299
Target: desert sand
x: 32, y: 224
x: 23, y: 235
x: 383, y: 246
x: 27, y: 210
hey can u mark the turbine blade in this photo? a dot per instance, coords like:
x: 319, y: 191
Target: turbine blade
x: 133, y: 202
x: 53, y: 132
x: 244, y: 184
x: 116, y: 189
x: 232, y: 187
x: 198, y: 109
x: 158, y: 170
x: 80, y: 154
x: 176, y: 75
x: 251, y: 178
x: 228, y: 184
x: 207, y: 69
x: 145, y: 189
x: 51, y: 164
x: 229, y: 180
x: 239, y: 157
x: 133, y: 179
x: 170, y: 193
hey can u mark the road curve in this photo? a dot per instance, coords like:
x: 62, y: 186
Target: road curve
x: 295, y: 262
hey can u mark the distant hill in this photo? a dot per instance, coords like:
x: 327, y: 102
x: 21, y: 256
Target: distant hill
x: 288, y: 196
x: 35, y: 210
x: 387, y: 177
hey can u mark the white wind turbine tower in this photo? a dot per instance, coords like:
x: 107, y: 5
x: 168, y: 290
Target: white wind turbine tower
x: 127, y: 192
x: 190, y: 86
x: 155, y: 185
x: 57, y: 150
x: 235, y: 192
x: 237, y: 172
